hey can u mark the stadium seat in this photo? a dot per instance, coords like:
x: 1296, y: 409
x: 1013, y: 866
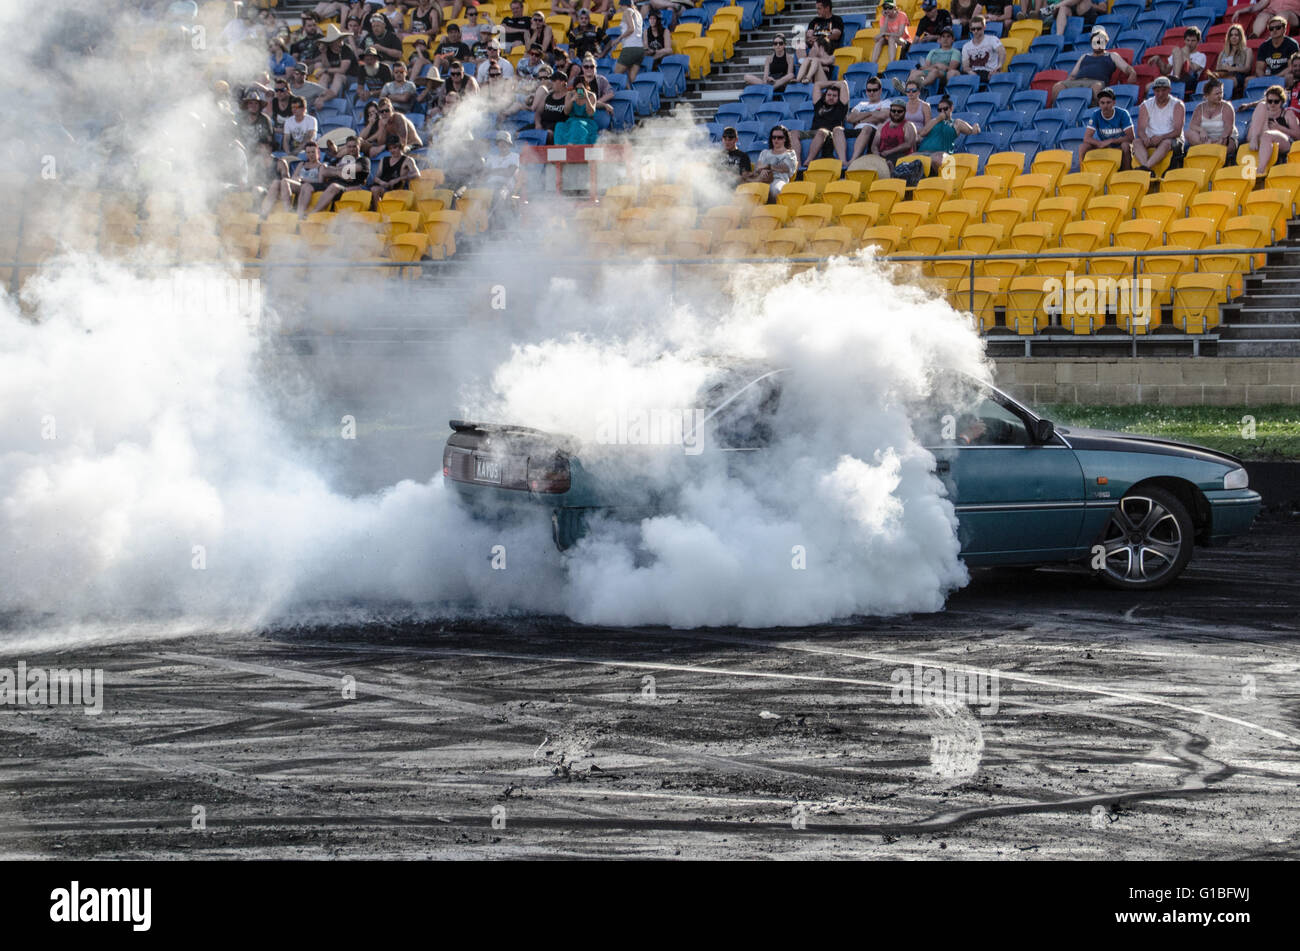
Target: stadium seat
x: 797, y: 193
x: 957, y: 213
x: 1138, y: 234
x: 1171, y: 264
x: 1184, y: 181
x: 1197, y: 299
x: 1210, y: 158
x: 1104, y: 162
x: 785, y: 242
x: 909, y: 214
x: 982, y: 189
x: 836, y: 239
x: 862, y: 171
x: 933, y: 190
x: 1273, y: 204
x: 1031, y: 188
x: 1229, y: 179
x: 982, y: 238
x: 1055, y: 163
x: 1081, y: 186
x: 723, y: 218
x: 839, y: 194
x: 885, y: 193
x: 1110, y: 210
x: 1007, y: 212
x: 821, y: 172
x: 738, y: 243
x: 858, y: 216
x: 1132, y: 185
x: 1057, y: 212
x: 885, y: 238
x: 769, y: 218
x: 1192, y: 232
x: 1220, y: 259
x: 812, y: 217
x: 1215, y: 206
x: 979, y: 298
x: 1024, y: 307
x: 1006, y: 166
x: 929, y: 239
x: 1161, y: 208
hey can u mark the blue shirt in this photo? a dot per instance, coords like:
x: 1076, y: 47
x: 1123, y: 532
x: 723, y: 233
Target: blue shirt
x: 1111, y: 128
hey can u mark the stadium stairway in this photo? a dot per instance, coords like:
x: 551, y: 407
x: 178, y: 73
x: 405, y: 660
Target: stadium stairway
x: 1265, y: 320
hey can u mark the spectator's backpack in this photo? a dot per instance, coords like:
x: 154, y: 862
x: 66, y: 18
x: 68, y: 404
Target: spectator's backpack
x: 911, y: 172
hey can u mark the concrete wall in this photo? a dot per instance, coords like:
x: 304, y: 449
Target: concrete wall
x: 1208, y: 381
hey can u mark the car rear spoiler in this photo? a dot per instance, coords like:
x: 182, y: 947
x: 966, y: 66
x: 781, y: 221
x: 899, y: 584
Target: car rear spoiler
x: 564, y: 440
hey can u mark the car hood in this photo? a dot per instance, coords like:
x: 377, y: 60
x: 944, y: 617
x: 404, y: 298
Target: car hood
x: 1082, y: 438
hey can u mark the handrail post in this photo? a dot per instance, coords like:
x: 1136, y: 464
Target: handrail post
x: 971, y: 287
x: 1132, y: 328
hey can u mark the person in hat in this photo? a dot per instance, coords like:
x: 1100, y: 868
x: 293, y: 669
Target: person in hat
x: 451, y: 48
x: 383, y: 38
x: 895, y: 33
x: 659, y: 41
x: 419, y: 58
x: 1094, y: 70
x: 584, y: 36
x: 1108, y: 127
x: 1159, y: 126
x: 932, y: 22
x: 940, y: 65
x: 337, y: 63
x: 429, y: 96
x: 632, y: 53
x: 299, y: 85
x: 540, y: 33
x: 552, y: 97
x: 502, y: 174
x: 733, y: 160
x: 373, y: 75
x: 255, y: 126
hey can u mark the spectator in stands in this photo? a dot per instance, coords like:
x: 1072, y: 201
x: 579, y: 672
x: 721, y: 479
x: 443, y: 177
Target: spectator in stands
x: 383, y: 38
x: 299, y: 129
x: 778, y: 69
x: 401, y: 92
x: 584, y: 36
x: 632, y: 53
x: 419, y: 58
x: 930, y: 26
x: 1266, y: 11
x: 426, y: 18
x: 492, y: 59
x: 279, y: 62
x: 373, y: 75
x: 501, y: 174
x: 1159, y: 126
x: 1273, y: 128
x: 540, y: 34
x: 392, y: 125
x: 818, y: 60
x: 394, y: 172
x: 830, y: 110
x: 937, y: 136
x: 733, y: 159
x: 355, y: 39
x: 477, y: 28
x: 1089, y: 10
x: 984, y: 54
x: 281, y: 106
x: 777, y: 163
x: 867, y: 116
x: 328, y: 11
x: 659, y: 42
x: 550, y: 110
x: 1237, y: 59
x: 1276, y: 51
x: 314, y: 93
x: 242, y: 29
x: 306, y: 45
x: 1094, y: 70
x: 895, y: 33
x: 306, y: 179
x: 918, y: 110
x: 1291, y: 82
x: 579, y: 126
x: 1186, y: 64
x: 1108, y: 127
x: 602, y: 88
x: 1001, y: 10
x: 337, y: 63
x: 256, y: 128
x: 531, y: 64
x: 429, y: 98
x: 962, y: 11
x: 941, y: 63
x: 514, y: 28
x: 451, y: 49
x: 827, y: 24
x: 896, y: 136
x: 370, y: 123
x: 1214, y: 120
x: 459, y: 81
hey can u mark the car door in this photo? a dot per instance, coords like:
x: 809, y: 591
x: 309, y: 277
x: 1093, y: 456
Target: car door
x: 1016, y: 500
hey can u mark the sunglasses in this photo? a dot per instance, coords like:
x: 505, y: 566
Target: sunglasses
x: 1275, y: 29
x: 873, y: 89
x: 778, y: 137
x: 385, y: 112
x: 945, y: 109
x: 1275, y: 102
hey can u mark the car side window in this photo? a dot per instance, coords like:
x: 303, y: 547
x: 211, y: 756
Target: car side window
x: 990, y: 423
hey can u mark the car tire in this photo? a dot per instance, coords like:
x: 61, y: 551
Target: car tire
x: 1147, y: 541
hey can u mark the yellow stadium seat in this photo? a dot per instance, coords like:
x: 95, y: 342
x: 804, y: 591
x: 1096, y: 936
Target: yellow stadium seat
x: 1005, y: 166
x: 360, y: 200
x: 1024, y: 307
x: 839, y: 194
x: 1133, y: 320
x: 397, y: 200
x: 863, y: 171
x: 441, y: 227
x: 981, y: 238
x: 1197, y: 298
x: 722, y: 218
x: 795, y: 194
x: 1007, y: 212
x: 1085, y: 236
x: 672, y: 218
x: 813, y: 217
x: 738, y: 243
x: 1208, y: 158
x: 959, y: 167
x: 1132, y: 185
x: 1138, y: 233
x: 929, y: 239
x: 1185, y: 181
x: 821, y: 172
x: 769, y: 218
x: 983, y: 189
x: 1161, y: 208
x: 700, y: 53
x: 1171, y: 264
x: 1108, y: 209
x: 1031, y: 187
x: 1229, y: 179
x: 1247, y: 231
x: 935, y: 190
x: 885, y: 193
x: 979, y: 298
x: 909, y: 214
x: 1285, y: 177
x: 1081, y: 186
x: 691, y: 244
x: 1248, y: 160
x: 409, y: 247
x: 1111, y: 266
x: 1058, y: 212
x: 957, y: 213
x: 750, y: 193
x: 1055, y: 163
x: 836, y: 239
x: 858, y: 216
x: 1105, y: 162
x: 1004, y: 269
x: 952, y: 265
x: 1216, y: 206
x: 1220, y: 259
x: 1192, y: 232
x: 628, y: 220
x: 402, y: 222
x: 785, y: 242
x: 724, y: 42
x: 647, y: 243
x: 664, y: 195
x: 1273, y: 204
x: 886, y: 238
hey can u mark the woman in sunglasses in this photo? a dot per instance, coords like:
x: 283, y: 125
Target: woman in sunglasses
x: 777, y: 163
x: 658, y: 41
x: 938, y: 135
x: 778, y: 70
x: 1273, y: 128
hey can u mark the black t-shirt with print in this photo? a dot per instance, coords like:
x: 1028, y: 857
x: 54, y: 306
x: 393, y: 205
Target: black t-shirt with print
x: 736, y: 161
x: 376, y: 81
x: 933, y: 22
x: 588, y: 39
x: 516, y: 29
x: 455, y: 50
x: 1275, y: 59
x: 826, y: 24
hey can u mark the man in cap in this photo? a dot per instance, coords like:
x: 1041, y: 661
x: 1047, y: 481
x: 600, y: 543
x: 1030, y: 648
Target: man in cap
x: 451, y: 48
x: 337, y: 63
x: 1159, y: 126
x: 942, y: 63
x: 314, y: 93
x: 932, y: 21
x: 384, y: 38
x: 733, y: 159
x: 1108, y: 127
x: 502, y: 173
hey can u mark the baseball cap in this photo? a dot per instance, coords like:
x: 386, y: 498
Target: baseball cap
x: 948, y: 30
x: 929, y: 4
x: 370, y: 51
x: 729, y: 132
x: 1161, y: 81
x: 504, y: 136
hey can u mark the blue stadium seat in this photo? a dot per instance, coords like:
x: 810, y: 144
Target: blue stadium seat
x: 1151, y: 26
x: 755, y: 128
x: 1005, y: 123
x: 674, y: 69
x: 983, y: 104
x: 1229, y: 83
x: 1014, y: 82
x: 1023, y: 69
x: 1126, y: 95
x: 799, y: 98
x: 1052, y: 122
x: 730, y: 113
x: 618, y: 81
x: 1066, y: 59
x: 1027, y: 103
x: 1000, y: 92
x: 696, y: 15
x: 1256, y: 85
x: 774, y: 112
x: 1029, y: 142
x: 624, y: 104
x: 864, y: 70
x: 993, y: 28
x: 1049, y: 41
x: 1074, y: 102
x: 1076, y: 31
x: 650, y: 86
x: 1171, y: 11
x: 795, y: 88
x: 1115, y: 23
x: 1070, y: 140
x: 982, y: 145
x: 1200, y: 17
x: 901, y: 70
x: 531, y: 136
x: 960, y: 89
x: 759, y: 93
x: 1132, y: 9
x: 852, y: 23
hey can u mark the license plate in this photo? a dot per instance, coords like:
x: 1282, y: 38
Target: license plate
x: 487, y: 470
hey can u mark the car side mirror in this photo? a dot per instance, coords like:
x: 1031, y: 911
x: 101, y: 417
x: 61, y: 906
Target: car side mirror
x: 1044, y: 430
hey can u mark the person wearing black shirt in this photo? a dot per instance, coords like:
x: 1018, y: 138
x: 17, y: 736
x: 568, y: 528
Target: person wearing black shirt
x: 306, y: 46
x: 515, y: 26
x: 1275, y: 52
x: 999, y: 10
x: 827, y: 24
x: 550, y: 111
x: 256, y: 128
x: 830, y: 109
x: 451, y: 48
x: 350, y: 171
x: 585, y: 37
x: 371, y: 75
x: 384, y: 38
x: 932, y: 23
x: 734, y: 160
x: 337, y: 61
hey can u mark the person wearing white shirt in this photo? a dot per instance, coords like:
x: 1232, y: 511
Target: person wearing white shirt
x: 633, y: 51
x: 983, y: 54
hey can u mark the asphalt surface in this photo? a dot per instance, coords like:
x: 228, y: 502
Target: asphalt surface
x: 1126, y: 727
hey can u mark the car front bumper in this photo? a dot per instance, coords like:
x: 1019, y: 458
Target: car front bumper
x: 1231, y: 513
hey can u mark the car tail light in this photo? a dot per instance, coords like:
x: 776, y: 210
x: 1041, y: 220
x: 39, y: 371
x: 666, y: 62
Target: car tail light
x: 446, y: 462
x: 549, y: 475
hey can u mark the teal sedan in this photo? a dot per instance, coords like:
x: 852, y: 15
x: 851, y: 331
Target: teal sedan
x: 1026, y: 492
